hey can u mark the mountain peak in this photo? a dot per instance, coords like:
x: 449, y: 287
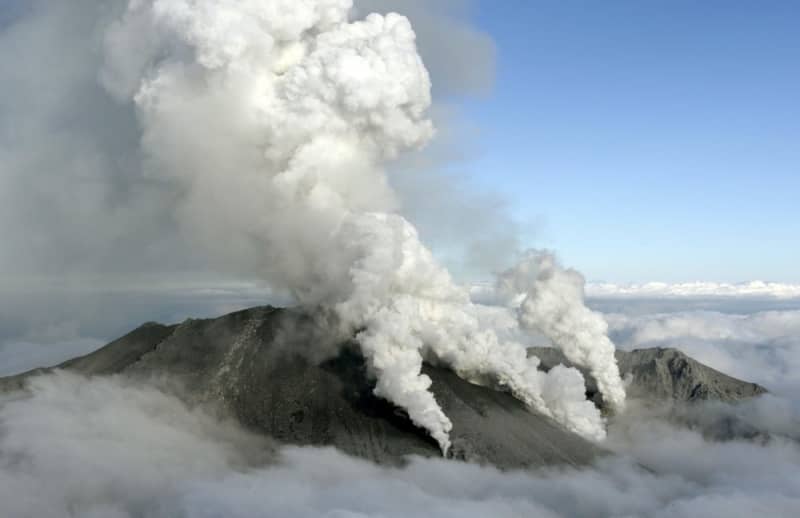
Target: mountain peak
x: 284, y: 373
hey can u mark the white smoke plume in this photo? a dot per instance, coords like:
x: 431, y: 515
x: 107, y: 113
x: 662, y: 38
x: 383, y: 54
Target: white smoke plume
x: 276, y: 120
x: 552, y: 302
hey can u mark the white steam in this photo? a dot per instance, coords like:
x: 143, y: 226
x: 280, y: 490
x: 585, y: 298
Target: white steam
x: 552, y: 302
x: 276, y: 119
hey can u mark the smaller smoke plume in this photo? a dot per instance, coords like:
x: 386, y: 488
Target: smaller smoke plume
x: 410, y: 311
x: 551, y: 301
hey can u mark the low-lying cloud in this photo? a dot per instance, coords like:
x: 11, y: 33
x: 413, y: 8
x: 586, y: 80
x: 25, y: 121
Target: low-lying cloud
x: 754, y: 289
x: 105, y: 447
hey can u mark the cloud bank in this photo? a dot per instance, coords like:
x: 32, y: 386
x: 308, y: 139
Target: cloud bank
x: 754, y: 289
x: 105, y: 447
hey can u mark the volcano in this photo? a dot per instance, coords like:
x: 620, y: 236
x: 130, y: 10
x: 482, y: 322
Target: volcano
x: 282, y: 374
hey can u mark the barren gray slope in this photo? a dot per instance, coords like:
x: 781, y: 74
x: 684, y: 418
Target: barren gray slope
x: 260, y: 365
x: 111, y: 359
x: 663, y: 373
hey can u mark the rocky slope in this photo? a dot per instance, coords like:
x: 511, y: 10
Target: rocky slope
x: 663, y: 374
x: 281, y: 374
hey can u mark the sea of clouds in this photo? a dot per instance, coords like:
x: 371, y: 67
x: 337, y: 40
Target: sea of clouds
x: 105, y: 448
x: 758, y: 289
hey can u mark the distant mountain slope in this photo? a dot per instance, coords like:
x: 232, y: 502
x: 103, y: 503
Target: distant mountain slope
x: 663, y: 373
x: 280, y: 374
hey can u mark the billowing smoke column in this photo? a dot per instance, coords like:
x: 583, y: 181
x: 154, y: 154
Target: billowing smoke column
x: 276, y: 117
x: 550, y: 300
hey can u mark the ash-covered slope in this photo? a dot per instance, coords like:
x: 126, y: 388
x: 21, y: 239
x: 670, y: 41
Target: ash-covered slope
x: 279, y: 374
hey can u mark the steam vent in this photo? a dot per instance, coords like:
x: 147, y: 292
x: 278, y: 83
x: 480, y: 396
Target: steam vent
x: 279, y: 374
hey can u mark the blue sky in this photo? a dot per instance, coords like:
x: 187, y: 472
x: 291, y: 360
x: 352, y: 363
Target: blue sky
x: 648, y: 140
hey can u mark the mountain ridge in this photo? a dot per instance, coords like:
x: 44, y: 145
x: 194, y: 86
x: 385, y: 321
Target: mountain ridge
x: 282, y: 373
